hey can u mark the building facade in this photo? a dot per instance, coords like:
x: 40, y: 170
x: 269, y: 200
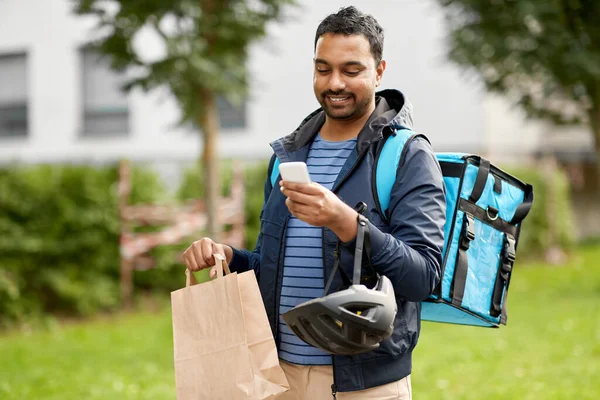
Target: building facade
x: 60, y: 103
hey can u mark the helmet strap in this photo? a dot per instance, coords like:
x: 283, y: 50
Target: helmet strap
x: 336, y: 266
x: 363, y: 244
x: 363, y: 230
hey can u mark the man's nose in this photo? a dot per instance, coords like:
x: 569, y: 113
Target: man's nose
x: 337, y: 83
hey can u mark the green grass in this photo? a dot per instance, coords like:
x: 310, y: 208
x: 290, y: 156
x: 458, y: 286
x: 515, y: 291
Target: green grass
x: 129, y: 357
x: 549, y: 350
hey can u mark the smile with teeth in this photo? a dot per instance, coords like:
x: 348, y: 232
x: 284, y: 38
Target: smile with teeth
x: 338, y: 99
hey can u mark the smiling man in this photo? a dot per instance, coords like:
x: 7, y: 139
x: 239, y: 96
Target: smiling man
x: 301, y: 224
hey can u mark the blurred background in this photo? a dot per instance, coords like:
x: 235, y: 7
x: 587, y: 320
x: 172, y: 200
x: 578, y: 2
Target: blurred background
x: 130, y: 129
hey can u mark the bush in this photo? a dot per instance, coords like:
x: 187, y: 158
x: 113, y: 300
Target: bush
x: 550, y: 221
x: 192, y: 184
x: 255, y: 178
x: 59, y: 236
x: 59, y: 230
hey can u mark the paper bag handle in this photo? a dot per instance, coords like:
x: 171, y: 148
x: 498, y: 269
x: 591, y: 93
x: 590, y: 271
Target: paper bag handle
x: 220, y: 266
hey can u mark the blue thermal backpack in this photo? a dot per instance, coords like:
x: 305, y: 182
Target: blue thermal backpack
x: 485, y: 209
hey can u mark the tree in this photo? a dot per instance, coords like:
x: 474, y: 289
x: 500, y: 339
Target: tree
x: 206, y: 45
x: 545, y: 54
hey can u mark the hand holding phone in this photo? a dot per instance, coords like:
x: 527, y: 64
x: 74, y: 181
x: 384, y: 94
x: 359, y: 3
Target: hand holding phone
x: 295, y: 171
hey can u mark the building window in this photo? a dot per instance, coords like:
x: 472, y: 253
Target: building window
x: 105, y: 105
x: 230, y: 116
x: 13, y: 95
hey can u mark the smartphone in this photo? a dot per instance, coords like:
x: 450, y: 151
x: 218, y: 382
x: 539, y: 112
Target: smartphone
x: 295, y: 171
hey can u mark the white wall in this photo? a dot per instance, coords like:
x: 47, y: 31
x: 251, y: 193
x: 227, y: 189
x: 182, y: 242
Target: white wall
x: 448, y: 108
x: 52, y: 37
x: 512, y: 137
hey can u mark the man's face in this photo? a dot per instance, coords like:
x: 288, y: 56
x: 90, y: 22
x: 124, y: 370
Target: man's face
x: 345, y: 76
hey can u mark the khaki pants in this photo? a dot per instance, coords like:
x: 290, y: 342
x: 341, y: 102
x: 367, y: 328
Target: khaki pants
x: 314, y: 383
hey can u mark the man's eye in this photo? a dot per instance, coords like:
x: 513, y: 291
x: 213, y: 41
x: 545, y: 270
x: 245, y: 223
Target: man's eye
x: 322, y: 71
x: 352, y: 73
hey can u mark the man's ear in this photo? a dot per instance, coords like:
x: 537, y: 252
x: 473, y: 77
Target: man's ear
x: 380, y: 70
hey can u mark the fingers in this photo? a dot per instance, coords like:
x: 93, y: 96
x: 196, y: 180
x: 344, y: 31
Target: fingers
x: 303, y: 217
x: 219, y: 249
x: 207, y: 247
x: 199, y: 255
x: 189, y: 260
x: 307, y: 188
x: 299, y: 210
x: 300, y: 197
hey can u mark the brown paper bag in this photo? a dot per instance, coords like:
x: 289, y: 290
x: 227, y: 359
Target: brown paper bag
x: 223, y: 345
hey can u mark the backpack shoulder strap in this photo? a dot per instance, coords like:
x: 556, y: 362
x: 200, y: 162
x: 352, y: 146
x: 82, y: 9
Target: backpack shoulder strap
x: 390, y: 158
x: 274, y: 170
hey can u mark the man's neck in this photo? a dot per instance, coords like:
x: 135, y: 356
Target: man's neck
x: 338, y: 130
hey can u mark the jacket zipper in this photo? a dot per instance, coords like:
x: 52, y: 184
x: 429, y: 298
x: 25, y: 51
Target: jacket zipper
x: 279, y: 282
x: 336, y: 254
x: 358, y: 160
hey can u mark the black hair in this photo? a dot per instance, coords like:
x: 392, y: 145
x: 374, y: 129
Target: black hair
x: 350, y: 21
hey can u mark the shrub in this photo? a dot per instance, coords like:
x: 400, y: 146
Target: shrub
x: 550, y: 221
x: 59, y: 230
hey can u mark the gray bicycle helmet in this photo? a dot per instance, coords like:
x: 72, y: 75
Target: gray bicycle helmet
x: 353, y: 320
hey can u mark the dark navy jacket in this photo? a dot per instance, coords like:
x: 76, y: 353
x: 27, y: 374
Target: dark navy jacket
x: 407, y: 249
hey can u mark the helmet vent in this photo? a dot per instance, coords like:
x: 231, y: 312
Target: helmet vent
x: 331, y: 322
x: 358, y: 309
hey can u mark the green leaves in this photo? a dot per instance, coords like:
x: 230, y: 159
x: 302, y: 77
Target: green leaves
x: 59, y: 237
x: 206, y: 43
x: 551, y: 221
x: 545, y: 53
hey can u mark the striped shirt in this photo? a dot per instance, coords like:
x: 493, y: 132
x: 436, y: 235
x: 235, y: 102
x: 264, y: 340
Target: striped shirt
x: 303, y: 276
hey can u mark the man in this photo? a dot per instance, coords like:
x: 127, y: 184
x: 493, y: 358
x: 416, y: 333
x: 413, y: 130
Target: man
x: 302, y: 223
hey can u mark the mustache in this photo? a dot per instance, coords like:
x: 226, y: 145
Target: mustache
x: 332, y: 93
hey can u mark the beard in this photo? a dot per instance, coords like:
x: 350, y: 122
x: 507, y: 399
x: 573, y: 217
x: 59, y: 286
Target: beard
x: 354, y: 110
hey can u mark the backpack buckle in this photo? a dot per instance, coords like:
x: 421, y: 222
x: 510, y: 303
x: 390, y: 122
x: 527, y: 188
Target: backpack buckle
x: 468, y: 231
x: 508, y: 256
x: 510, y: 253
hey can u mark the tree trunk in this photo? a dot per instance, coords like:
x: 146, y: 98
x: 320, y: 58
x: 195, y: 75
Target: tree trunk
x: 209, y: 124
x: 594, y: 115
x: 596, y: 131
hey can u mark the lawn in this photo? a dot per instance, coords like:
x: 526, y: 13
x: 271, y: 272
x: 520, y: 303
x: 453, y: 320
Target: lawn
x: 549, y: 350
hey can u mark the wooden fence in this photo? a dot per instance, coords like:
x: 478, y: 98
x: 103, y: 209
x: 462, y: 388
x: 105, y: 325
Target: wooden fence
x: 178, y: 223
